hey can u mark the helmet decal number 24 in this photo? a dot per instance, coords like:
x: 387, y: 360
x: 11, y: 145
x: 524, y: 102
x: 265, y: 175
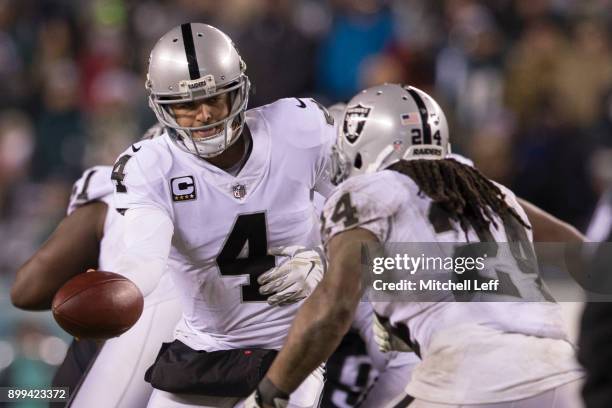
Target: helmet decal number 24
x: 417, y: 137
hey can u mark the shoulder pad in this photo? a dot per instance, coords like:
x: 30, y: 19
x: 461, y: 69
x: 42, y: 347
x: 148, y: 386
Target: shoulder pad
x: 303, y: 122
x: 94, y: 185
x: 139, y: 174
x: 363, y: 201
x: 152, y: 155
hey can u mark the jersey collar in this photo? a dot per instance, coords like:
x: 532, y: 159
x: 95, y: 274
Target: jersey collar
x: 241, y: 186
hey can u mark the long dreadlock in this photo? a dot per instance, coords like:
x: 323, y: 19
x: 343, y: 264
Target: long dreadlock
x: 462, y: 191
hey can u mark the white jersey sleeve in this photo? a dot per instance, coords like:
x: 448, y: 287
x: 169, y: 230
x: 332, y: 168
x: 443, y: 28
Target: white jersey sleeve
x: 138, y: 177
x: 329, y: 130
x: 94, y: 185
x: 147, y: 238
x: 139, y: 189
x: 307, y: 126
x: 366, y: 201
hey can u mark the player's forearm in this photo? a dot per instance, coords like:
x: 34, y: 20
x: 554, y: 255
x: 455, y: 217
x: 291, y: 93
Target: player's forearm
x: 314, y: 335
x: 568, y: 253
x: 548, y: 228
x: 72, y: 249
x: 321, y: 322
x: 147, y: 239
x: 27, y: 292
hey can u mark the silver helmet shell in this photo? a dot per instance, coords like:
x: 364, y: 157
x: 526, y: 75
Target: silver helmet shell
x: 385, y: 124
x: 195, y: 61
x: 337, y: 111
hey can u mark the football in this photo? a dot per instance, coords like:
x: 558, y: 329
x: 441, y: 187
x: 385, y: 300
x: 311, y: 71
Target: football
x: 97, y: 305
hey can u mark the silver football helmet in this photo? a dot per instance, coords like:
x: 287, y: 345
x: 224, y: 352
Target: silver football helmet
x: 385, y: 124
x: 195, y: 61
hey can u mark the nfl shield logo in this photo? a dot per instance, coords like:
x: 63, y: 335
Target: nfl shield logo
x: 354, y: 121
x: 239, y: 191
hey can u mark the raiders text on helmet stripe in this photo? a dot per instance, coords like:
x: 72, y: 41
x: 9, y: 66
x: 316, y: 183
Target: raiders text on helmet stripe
x: 192, y: 60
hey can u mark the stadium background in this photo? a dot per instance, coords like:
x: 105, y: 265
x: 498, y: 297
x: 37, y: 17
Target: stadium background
x: 526, y: 84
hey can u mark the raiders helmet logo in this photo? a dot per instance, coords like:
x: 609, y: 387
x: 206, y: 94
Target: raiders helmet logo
x: 354, y: 121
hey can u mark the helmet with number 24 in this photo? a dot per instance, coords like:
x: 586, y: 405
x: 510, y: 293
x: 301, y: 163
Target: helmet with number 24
x: 385, y: 124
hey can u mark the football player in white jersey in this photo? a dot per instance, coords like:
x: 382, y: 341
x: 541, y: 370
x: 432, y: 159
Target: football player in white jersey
x: 388, y: 373
x: 394, y: 150
x: 116, y: 377
x: 91, y: 236
x: 219, y: 193
x: 368, y: 380
x: 111, y: 375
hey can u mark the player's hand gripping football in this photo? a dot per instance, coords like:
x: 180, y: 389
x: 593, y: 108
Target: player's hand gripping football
x: 295, y: 277
x: 385, y: 340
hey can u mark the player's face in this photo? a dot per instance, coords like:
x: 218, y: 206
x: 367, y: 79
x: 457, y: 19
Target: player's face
x: 202, y: 112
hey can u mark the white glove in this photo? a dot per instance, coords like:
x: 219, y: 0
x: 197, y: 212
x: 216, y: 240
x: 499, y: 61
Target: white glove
x: 295, y: 278
x: 386, y: 341
x: 251, y: 401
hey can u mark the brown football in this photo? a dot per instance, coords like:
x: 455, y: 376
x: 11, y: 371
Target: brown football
x: 97, y: 305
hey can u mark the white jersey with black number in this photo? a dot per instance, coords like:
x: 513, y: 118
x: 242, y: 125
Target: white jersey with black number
x: 95, y: 185
x: 116, y: 377
x: 224, y: 225
x: 473, y: 352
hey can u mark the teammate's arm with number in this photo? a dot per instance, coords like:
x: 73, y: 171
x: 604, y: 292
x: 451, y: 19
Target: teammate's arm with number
x: 325, y: 316
x: 72, y: 249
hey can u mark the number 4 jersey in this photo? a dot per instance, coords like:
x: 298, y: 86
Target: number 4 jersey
x: 224, y: 225
x: 472, y: 352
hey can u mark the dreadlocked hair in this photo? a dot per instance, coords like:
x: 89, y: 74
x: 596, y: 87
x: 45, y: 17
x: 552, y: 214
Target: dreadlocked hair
x: 462, y: 191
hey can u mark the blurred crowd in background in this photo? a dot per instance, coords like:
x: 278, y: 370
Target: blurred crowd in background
x: 526, y: 85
